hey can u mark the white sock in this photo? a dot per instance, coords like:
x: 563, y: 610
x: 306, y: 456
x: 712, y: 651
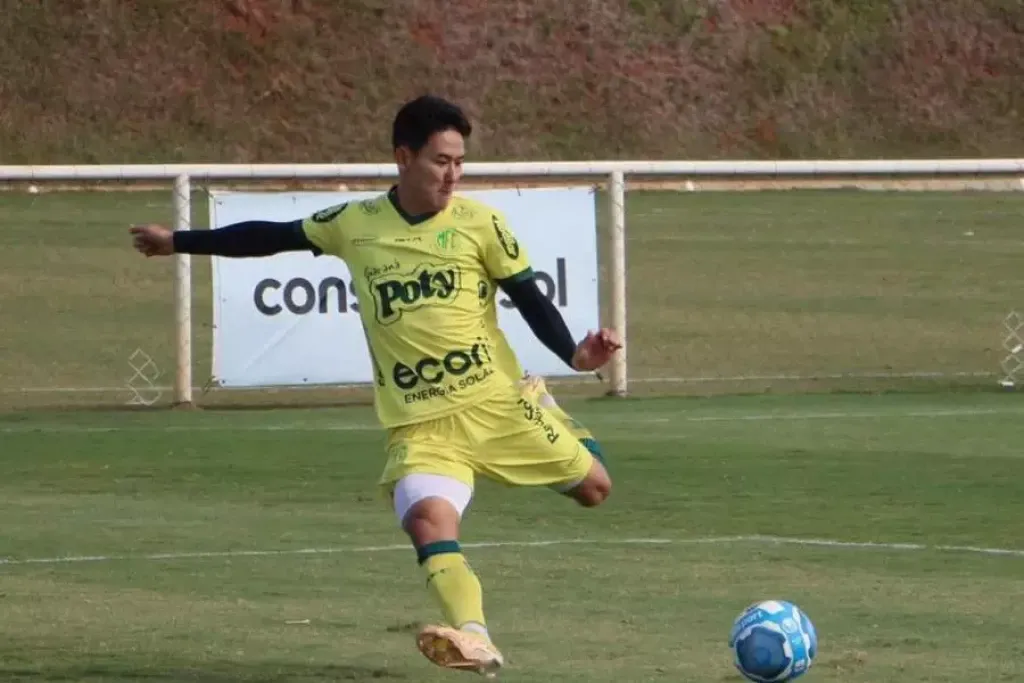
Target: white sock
x: 473, y: 627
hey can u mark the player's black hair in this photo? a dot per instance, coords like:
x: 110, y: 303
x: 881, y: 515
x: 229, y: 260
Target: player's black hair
x: 420, y: 118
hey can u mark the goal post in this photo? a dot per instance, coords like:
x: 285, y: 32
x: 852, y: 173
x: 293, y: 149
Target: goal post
x: 183, y: 295
x: 617, y: 277
x: 613, y: 175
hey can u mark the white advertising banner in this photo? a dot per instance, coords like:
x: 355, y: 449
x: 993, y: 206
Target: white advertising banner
x: 287, y: 319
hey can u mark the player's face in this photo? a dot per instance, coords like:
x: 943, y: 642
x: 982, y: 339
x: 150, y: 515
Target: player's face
x: 432, y: 175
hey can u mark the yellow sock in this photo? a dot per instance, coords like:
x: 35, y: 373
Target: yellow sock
x: 454, y: 585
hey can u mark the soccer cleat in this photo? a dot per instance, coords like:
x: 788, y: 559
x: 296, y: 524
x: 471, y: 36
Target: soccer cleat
x: 462, y: 650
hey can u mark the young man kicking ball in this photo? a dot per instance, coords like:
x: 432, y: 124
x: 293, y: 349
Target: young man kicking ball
x: 426, y: 265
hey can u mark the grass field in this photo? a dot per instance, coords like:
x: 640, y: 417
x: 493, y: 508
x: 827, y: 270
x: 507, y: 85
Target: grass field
x: 880, y: 489
x: 222, y: 546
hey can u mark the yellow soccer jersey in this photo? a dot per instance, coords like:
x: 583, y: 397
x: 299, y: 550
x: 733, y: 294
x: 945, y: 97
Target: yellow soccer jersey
x: 426, y: 291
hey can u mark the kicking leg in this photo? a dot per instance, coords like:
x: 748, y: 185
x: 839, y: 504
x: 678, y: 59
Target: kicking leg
x: 594, y: 489
x: 596, y: 486
x: 430, y: 509
x: 534, y: 388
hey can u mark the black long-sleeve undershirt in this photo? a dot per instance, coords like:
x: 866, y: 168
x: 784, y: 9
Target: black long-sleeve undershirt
x: 249, y: 238
x: 541, y: 315
x: 265, y: 238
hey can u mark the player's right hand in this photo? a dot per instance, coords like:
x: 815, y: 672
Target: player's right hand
x: 152, y: 240
x: 596, y: 349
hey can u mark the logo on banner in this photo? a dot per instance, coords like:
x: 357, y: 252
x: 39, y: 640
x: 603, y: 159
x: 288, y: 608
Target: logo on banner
x: 555, y: 287
x: 427, y: 284
x: 300, y: 296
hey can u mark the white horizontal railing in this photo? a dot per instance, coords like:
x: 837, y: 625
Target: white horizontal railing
x: 529, y: 168
x: 613, y: 173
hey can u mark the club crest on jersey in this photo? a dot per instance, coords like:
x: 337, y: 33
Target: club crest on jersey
x: 508, y: 241
x: 430, y: 284
x: 371, y: 207
x: 446, y: 238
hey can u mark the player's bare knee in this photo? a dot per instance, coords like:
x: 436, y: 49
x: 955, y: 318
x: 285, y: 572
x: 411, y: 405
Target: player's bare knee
x: 431, y: 520
x: 594, y: 490
x: 429, y: 507
x: 590, y: 496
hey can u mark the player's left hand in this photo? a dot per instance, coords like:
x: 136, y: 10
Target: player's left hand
x: 152, y: 240
x: 596, y: 349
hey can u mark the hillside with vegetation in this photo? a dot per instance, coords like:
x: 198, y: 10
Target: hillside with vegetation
x: 316, y: 81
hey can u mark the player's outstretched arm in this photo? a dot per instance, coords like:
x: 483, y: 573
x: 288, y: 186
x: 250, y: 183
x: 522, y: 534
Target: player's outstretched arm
x: 246, y: 239
x: 505, y: 260
x: 596, y: 349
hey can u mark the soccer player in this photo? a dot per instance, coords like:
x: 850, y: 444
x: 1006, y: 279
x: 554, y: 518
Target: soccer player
x: 449, y: 389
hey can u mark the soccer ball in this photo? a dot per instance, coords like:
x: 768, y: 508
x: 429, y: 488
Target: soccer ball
x: 773, y: 641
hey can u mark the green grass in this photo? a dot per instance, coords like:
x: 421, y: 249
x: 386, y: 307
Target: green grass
x: 931, y: 470
x: 246, y: 541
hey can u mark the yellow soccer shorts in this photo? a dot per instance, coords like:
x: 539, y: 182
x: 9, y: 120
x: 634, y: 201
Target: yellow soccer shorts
x: 507, y: 438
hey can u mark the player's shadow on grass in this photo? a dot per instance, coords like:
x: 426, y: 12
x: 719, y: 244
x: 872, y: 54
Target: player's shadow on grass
x: 211, y: 672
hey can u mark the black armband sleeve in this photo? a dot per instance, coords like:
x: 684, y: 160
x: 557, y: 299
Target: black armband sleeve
x: 541, y: 315
x: 249, y: 238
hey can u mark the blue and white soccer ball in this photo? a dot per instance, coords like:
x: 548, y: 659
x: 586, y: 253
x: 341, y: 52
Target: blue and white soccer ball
x: 773, y: 641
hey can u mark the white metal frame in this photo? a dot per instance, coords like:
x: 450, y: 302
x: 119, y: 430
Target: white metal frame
x: 613, y: 173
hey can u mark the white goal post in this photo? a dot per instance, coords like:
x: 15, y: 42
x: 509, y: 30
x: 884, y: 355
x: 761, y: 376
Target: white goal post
x: 613, y: 174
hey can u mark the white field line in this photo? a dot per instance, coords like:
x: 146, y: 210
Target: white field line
x: 712, y: 540
x: 771, y: 417
x: 624, y: 420
x: 553, y: 380
x: 805, y: 378
x: 93, y: 429
x: 962, y: 240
